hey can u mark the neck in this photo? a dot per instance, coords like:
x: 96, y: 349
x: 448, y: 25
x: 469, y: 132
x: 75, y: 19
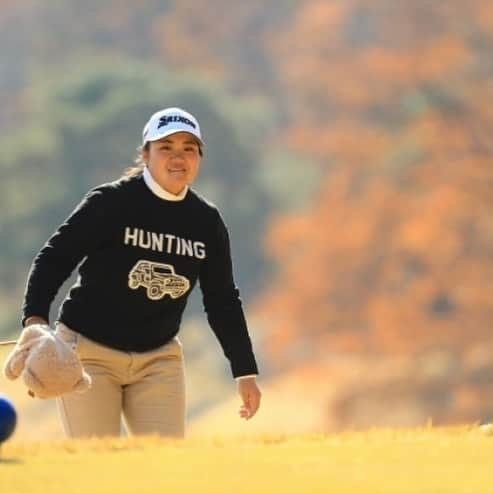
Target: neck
x: 161, y: 192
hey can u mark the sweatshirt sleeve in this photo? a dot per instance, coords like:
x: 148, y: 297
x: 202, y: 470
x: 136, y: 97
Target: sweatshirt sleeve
x: 223, y: 305
x: 75, y: 238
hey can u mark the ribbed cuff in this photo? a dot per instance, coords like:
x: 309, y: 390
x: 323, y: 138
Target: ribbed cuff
x: 246, y: 376
x: 244, y: 365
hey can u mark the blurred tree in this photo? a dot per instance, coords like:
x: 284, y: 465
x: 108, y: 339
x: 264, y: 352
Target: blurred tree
x: 396, y: 254
x: 84, y: 130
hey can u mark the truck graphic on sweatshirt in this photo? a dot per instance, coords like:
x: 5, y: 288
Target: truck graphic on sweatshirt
x: 158, y: 279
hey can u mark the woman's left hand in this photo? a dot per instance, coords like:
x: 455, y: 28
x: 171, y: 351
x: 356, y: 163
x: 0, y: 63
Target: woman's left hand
x: 250, y: 395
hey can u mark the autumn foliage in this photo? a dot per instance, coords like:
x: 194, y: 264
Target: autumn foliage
x: 394, y: 254
x: 392, y: 100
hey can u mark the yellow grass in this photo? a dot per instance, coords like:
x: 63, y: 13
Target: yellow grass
x: 450, y: 460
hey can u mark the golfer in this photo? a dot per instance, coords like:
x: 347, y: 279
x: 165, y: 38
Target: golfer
x: 144, y: 240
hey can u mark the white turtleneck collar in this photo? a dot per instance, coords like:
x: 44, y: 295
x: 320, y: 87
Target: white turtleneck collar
x: 158, y: 190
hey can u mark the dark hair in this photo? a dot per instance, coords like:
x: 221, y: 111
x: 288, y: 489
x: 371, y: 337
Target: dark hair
x: 139, y: 163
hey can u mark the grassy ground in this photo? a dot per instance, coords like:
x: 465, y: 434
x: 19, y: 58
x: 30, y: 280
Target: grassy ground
x: 448, y: 460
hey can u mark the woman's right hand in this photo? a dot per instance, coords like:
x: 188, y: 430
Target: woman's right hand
x: 250, y: 395
x: 34, y: 319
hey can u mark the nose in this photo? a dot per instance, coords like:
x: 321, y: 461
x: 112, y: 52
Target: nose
x: 178, y: 153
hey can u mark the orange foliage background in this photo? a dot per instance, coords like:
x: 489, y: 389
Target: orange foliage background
x: 392, y: 100
x: 395, y: 253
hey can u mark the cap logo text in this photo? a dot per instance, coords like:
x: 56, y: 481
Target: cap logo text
x: 164, y: 120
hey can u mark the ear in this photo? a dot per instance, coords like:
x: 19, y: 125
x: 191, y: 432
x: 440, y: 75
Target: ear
x: 15, y: 363
x: 145, y: 152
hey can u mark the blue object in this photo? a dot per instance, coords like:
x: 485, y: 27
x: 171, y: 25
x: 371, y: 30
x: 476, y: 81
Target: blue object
x: 8, y: 419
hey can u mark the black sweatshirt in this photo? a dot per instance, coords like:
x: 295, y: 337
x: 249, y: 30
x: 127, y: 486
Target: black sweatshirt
x: 141, y: 256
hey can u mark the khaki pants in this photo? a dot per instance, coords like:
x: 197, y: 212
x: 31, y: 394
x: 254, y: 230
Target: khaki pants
x: 146, y: 389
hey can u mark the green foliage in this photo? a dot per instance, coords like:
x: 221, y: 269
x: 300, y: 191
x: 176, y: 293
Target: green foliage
x: 290, y: 180
x: 84, y: 128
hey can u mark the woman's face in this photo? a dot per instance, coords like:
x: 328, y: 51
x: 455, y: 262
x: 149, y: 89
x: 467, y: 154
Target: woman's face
x: 173, y: 161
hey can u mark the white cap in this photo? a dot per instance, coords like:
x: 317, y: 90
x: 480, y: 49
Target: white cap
x: 170, y: 121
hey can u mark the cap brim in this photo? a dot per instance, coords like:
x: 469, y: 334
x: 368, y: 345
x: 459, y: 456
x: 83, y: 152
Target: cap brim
x: 171, y: 132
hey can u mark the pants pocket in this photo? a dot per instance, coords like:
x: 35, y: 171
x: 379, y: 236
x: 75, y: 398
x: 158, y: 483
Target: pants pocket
x: 175, y: 347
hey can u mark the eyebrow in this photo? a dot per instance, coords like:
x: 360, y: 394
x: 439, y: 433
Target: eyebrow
x: 169, y: 141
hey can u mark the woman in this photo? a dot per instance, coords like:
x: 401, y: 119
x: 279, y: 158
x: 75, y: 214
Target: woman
x: 144, y: 240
